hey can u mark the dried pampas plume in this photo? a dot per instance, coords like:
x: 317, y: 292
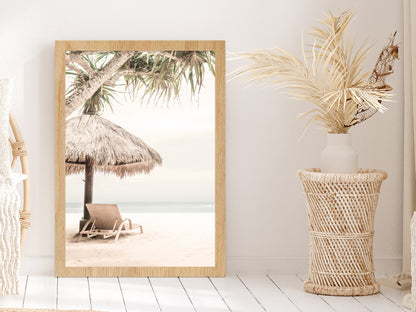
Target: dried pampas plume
x: 330, y: 75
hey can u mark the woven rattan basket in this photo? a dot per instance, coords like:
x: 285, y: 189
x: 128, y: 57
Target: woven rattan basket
x: 341, y: 210
x: 19, y: 152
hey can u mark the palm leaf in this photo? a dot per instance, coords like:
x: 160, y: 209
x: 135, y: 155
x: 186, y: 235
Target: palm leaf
x: 331, y: 74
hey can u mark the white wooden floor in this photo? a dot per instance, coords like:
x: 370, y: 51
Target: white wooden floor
x: 242, y: 292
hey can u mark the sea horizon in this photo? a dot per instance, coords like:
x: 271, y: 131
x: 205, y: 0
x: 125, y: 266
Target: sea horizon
x: 155, y: 207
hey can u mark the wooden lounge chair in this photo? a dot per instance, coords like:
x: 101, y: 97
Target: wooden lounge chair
x: 105, y: 220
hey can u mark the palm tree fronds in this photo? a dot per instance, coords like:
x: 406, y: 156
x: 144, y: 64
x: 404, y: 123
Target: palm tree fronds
x: 151, y: 75
x: 161, y: 74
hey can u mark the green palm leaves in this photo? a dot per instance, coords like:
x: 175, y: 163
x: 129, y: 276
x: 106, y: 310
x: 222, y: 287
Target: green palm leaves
x: 161, y: 74
x: 153, y: 76
x: 104, y: 96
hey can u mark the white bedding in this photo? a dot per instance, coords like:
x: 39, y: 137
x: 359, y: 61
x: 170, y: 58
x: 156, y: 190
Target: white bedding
x: 9, y: 202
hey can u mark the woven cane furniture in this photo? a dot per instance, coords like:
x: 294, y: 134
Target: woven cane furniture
x: 19, y: 152
x: 341, y: 209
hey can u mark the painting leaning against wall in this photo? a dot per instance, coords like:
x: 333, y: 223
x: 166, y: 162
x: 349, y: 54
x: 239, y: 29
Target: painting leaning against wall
x: 140, y: 159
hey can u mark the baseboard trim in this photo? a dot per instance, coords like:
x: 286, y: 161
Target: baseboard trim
x: 297, y: 265
x: 37, y: 265
x: 46, y: 265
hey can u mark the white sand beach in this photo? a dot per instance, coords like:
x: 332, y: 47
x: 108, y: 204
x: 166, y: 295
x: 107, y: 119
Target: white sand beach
x: 169, y: 239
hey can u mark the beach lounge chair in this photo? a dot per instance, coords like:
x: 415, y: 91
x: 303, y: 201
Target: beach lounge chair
x: 106, y: 221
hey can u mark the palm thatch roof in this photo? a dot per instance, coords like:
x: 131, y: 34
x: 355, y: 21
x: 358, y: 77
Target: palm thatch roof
x: 112, y: 148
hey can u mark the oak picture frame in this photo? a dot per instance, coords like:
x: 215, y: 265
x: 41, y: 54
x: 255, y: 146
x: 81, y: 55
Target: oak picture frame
x: 61, y: 270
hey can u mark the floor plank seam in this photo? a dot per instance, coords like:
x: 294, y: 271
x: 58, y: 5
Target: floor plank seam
x: 322, y: 298
x: 219, y: 294
x: 154, y: 294
x: 301, y: 279
x: 186, y: 292
x: 397, y: 305
x: 24, y: 292
x: 89, y: 292
x: 281, y: 290
x: 367, y: 308
x: 122, y: 294
x: 260, y: 289
x: 251, y: 293
x: 56, y: 292
x: 24, y: 301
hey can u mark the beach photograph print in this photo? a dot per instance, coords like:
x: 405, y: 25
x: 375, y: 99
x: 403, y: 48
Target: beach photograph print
x: 140, y: 158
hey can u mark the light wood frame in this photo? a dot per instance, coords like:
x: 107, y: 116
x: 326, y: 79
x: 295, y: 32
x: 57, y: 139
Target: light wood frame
x: 219, y: 47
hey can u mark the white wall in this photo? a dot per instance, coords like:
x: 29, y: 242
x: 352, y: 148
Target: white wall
x: 266, y: 216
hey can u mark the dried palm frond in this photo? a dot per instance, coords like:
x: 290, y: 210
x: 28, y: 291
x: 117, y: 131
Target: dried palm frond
x: 377, y: 79
x: 330, y: 75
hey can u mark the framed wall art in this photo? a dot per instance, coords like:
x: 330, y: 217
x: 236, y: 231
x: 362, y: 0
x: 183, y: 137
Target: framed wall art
x: 140, y: 158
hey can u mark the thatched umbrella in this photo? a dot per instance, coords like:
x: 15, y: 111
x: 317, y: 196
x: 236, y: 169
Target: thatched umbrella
x: 94, y: 143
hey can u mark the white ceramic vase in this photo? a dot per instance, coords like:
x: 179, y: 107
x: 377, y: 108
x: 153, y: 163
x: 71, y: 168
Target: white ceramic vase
x: 339, y: 156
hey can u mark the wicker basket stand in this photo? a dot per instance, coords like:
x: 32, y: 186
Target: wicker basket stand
x: 341, y: 209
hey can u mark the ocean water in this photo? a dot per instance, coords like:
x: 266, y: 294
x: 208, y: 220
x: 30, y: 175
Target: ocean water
x: 160, y: 207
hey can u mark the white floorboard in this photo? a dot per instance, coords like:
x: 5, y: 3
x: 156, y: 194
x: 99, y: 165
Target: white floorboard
x: 378, y: 303
x: 73, y: 293
x: 344, y: 304
x: 394, y: 295
x: 106, y: 294
x: 340, y: 304
x: 292, y: 286
x: 138, y: 295
x: 40, y: 292
x: 235, y: 294
x: 15, y: 301
x: 267, y: 293
x: 203, y: 295
x: 171, y: 295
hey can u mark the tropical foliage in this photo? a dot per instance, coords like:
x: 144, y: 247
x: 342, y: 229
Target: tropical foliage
x: 330, y: 75
x: 152, y: 76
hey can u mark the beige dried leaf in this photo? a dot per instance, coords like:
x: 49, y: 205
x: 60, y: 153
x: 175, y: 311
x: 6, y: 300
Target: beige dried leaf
x: 331, y: 74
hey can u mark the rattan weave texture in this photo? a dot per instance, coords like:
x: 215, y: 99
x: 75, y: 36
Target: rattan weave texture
x: 341, y: 209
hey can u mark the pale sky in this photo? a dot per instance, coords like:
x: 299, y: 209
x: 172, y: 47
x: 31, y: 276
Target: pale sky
x: 184, y: 136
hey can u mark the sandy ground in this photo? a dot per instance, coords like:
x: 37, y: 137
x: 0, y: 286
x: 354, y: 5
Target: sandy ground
x: 169, y: 239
